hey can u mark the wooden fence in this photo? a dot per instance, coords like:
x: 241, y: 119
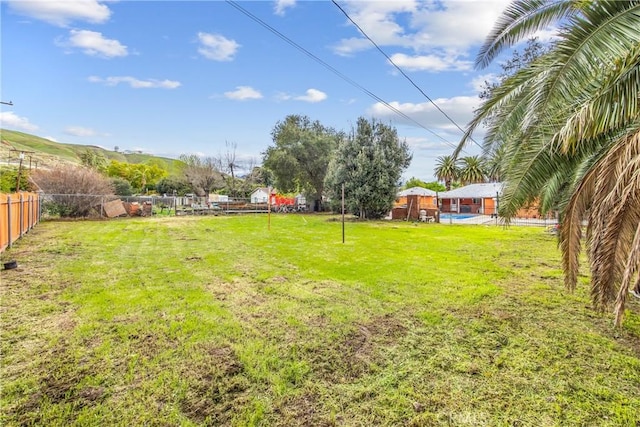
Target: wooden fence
x: 19, y: 213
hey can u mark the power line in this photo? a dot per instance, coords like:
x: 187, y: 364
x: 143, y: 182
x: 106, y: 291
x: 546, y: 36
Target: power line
x: 335, y: 71
x: 401, y: 71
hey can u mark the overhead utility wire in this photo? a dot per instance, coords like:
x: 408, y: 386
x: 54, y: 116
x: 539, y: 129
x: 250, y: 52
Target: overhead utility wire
x: 332, y: 69
x: 402, y: 72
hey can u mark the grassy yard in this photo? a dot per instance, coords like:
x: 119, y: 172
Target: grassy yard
x: 218, y: 321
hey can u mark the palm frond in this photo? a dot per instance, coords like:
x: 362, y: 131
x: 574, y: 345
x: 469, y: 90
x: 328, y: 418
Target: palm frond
x: 615, y: 215
x: 520, y: 19
x: 508, y: 103
x: 613, y: 105
x: 571, y: 228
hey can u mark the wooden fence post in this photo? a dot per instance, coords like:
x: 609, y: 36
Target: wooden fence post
x: 9, y: 221
x: 21, y: 215
x: 29, y: 207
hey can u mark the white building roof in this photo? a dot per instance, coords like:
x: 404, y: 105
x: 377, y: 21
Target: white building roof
x: 416, y: 191
x: 474, y: 191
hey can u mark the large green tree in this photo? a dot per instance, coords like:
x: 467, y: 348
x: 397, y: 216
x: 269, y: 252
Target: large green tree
x: 369, y: 162
x: 415, y: 182
x: 570, y: 125
x: 140, y: 176
x: 300, y: 156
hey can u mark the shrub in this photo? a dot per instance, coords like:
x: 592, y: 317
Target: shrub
x: 122, y: 187
x: 72, y: 191
x: 9, y: 178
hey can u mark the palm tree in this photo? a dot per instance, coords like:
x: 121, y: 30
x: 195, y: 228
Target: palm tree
x: 495, y: 163
x: 570, y: 126
x: 446, y: 170
x: 471, y: 170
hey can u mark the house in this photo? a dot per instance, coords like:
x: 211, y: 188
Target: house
x: 426, y: 197
x: 260, y: 195
x: 411, y: 201
x: 474, y: 198
x: 484, y: 199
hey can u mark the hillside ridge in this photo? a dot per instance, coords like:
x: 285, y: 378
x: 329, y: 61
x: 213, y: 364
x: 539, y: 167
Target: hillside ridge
x: 43, y: 152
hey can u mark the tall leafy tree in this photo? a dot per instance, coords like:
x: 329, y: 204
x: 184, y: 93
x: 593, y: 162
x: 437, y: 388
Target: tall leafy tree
x: 447, y: 170
x: 300, y: 156
x: 369, y: 162
x: 471, y: 170
x: 415, y: 182
x: 139, y: 175
x: 173, y: 186
x: 570, y: 124
x: 94, y: 160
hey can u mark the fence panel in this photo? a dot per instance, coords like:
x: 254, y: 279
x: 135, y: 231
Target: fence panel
x: 19, y: 213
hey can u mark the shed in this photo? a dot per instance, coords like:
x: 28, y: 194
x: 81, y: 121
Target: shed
x: 260, y: 195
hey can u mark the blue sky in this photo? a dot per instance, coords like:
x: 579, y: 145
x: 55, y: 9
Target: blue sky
x: 169, y: 77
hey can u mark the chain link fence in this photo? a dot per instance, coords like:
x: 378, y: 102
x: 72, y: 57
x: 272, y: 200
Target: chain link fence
x: 110, y: 206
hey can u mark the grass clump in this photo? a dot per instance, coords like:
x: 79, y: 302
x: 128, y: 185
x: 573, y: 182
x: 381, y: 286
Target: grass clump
x: 219, y: 321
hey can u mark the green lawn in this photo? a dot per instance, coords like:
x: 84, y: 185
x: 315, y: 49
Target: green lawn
x: 219, y: 321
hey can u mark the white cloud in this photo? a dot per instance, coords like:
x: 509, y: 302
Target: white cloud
x: 547, y: 35
x: 459, y: 108
x: 136, y: 83
x: 347, y: 47
x: 479, y: 82
x: 312, y: 95
x: 80, y: 131
x: 62, y: 13
x: 243, y: 93
x: 378, y: 20
x: 282, y: 5
x: 94, y: 44
x: 9, y: 120
x: 458, y: 24
x: 282, y: 96
x: 217, y: 47
x: 435, y: 35
x: 430, y: 63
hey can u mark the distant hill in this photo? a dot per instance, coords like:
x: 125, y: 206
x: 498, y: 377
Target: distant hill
x: 46, y: 153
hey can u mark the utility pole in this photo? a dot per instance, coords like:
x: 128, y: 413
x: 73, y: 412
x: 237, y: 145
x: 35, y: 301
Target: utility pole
x: 21, y: 154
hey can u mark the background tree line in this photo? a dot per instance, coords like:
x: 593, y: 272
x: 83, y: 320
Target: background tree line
x: 316, y: 160
x: 305, y: 157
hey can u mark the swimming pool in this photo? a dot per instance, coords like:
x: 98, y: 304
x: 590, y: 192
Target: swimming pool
x: 448, y: 216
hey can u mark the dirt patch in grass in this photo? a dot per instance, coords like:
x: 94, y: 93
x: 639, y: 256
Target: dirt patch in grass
x: 217, y: 388
x: 59, y: 383
x: 301, y: 410
x: 358, y: 351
